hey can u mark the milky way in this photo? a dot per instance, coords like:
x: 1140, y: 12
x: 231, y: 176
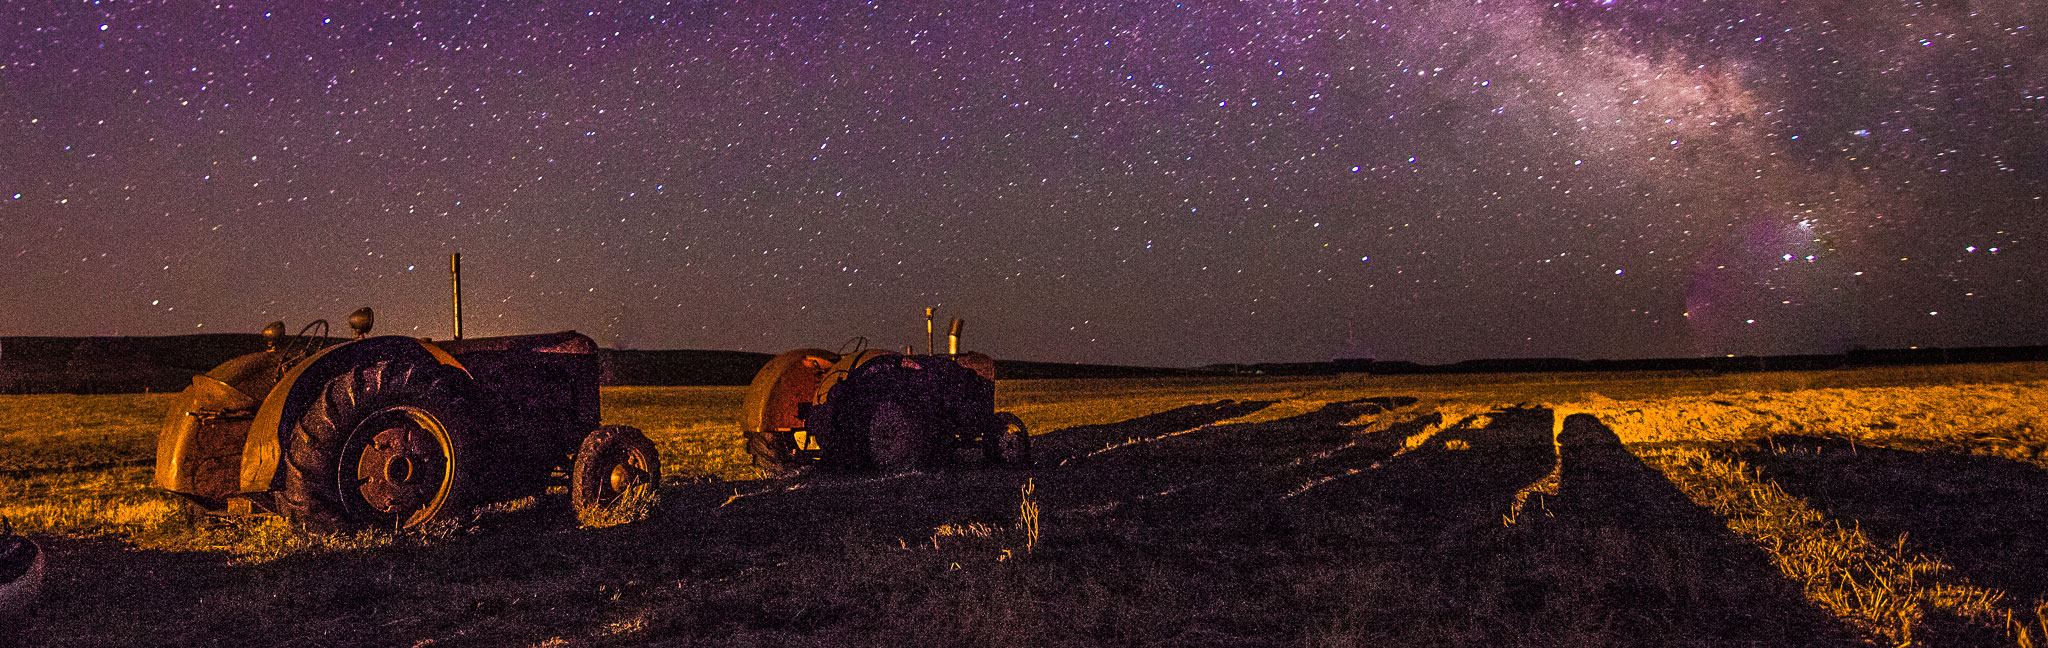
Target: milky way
x: 1125, y: 182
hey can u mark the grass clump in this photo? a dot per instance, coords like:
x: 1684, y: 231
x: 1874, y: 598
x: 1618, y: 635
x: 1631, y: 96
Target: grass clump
x: 632, y: 506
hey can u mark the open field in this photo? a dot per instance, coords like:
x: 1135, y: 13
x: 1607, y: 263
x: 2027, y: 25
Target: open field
x: 1863, y: 507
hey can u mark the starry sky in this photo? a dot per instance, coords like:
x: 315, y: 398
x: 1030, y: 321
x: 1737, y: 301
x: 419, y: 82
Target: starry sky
x: 1128, y: 182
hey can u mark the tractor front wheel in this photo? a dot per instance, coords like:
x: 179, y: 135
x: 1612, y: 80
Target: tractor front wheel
x: 615, y: 466
x: 1013, y: 445
x: 388, y: 445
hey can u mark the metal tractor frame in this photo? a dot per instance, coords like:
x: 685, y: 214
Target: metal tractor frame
x: 874, y: 409
x: 398, y: 432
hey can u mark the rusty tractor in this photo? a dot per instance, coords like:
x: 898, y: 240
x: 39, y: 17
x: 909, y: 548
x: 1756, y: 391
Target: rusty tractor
x: 874, y: 409
x: 398, y: 432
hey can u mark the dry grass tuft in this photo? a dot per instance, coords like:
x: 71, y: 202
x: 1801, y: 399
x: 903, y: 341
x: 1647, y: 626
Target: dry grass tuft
x: 633, y: 506
x: 1027, y: 514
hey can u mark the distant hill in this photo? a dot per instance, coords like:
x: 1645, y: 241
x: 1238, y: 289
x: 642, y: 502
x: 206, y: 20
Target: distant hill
x: 1029, y: 370
x: 680, y: 368
x: 1726, y: 364
x: 107, y: 365
x: 104, y: 365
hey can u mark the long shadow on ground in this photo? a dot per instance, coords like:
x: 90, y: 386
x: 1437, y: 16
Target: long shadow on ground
x: 1056, y: 445
x: 1619, y: 546
x: 1111, y: 479
x: 1981, y: 515
x: 1611, y: 554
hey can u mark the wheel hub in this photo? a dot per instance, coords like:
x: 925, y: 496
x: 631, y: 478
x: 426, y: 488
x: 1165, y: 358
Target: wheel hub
x: 622, y: 477
x: 400, y: 469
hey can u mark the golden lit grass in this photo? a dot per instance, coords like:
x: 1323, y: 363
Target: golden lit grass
x: 2001, y: 419
x: 56, y: 431
x: 696, y: 429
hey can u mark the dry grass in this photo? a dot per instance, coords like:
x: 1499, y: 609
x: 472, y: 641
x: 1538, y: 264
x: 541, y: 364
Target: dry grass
x: 1779, y: 509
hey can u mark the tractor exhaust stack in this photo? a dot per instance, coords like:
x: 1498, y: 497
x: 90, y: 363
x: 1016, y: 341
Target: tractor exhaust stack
x: 455, y: 276
x: 930, y: 339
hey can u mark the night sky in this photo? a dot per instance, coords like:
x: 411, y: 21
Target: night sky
x: 1125, y: 182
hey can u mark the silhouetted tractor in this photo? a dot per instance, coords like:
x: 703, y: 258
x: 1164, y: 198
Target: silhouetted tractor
x: 396, y: 432
x: 874, y: 409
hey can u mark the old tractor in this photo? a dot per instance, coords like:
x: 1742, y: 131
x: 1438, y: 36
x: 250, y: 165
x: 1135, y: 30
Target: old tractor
x: 874, y: 409
x: 397, y: 432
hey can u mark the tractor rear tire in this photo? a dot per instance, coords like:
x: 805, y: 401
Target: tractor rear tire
x: 615, y: 466
x: 390, y: 445
x: 773, y: 452
x: 900, y: 440
x: 900, y: 413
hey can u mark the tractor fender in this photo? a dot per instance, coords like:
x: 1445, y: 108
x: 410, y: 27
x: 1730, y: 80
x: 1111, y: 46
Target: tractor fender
x: 979, y: 362
x: 199, y: 448
x: 788, y: 380
x: 305, y: 382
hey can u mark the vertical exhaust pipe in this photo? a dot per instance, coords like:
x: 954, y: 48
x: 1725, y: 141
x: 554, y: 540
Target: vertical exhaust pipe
x: 953, y: 337
x: 455, y: 276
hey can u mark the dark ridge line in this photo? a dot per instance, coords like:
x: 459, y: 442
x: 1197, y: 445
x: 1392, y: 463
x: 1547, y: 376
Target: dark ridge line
x: 114, y: 365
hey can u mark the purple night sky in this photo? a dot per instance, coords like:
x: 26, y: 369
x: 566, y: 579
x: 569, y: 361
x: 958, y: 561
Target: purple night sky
x: 1125, y: 182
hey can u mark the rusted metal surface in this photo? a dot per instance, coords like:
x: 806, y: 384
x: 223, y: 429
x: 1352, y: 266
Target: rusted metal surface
x: 455, y: 281
x: 199, y: 449
x: 979, y: 362
x: 876, y: 408
x: 845, y: 365
x: 561, y: 342
x: 543, y: 390
x: 781, y: 389
x: 361, y: 321
x: 532, y: 398
x: 404, y: 466
x: 273, y: 334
